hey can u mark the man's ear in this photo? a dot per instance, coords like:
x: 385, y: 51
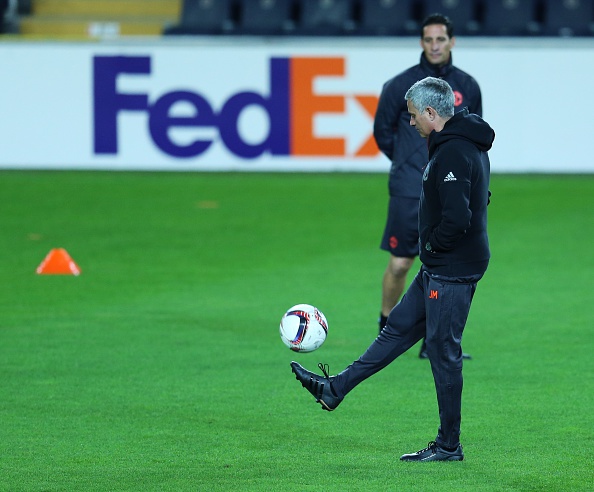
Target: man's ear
x: 431, y: 113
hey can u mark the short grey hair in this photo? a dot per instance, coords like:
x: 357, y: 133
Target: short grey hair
x: 432, y: 92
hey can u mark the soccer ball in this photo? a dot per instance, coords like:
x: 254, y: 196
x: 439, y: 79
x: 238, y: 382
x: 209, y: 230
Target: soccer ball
x: 303, y: 328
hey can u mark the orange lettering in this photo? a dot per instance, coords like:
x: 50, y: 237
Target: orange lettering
x: 433, y: 294
x: 369, y: 147
x: 305, y: 105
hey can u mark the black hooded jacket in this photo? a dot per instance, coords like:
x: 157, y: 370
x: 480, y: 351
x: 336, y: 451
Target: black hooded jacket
x: 453, y: 208
x: 399, y: 141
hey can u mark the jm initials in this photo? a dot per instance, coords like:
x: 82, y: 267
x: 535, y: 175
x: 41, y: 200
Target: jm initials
x: 432, y: 294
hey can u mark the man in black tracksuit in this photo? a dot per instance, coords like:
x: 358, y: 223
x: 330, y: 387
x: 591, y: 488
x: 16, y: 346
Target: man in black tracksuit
x: 408, y: 153
x: 454, y: 252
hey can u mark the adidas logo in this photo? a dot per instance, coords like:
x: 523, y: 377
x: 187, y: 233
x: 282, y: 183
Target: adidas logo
x: 450, y: 177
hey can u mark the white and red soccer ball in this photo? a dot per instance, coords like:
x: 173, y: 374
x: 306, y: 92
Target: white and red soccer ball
x: 303, y: 328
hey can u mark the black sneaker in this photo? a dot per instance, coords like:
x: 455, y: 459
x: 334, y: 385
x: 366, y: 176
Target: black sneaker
x: 433, y: 452
x: 320, y: 387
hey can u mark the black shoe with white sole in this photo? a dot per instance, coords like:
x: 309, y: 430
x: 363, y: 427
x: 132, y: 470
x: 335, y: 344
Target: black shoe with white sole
x: 434, y: 452
x: 319, y: 386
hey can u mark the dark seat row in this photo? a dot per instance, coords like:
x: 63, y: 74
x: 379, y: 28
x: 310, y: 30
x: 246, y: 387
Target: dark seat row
x: 384, y: 17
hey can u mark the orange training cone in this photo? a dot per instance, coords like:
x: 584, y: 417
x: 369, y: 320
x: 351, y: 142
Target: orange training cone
x: 58, y: 262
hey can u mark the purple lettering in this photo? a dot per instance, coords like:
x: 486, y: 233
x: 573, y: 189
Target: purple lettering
x: 108, y: 102
x: 160, y: 122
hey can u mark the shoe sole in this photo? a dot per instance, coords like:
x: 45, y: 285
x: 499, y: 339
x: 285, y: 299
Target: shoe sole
x: 427, y: 460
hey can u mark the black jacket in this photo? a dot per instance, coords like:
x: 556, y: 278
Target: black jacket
x: 453, y: 208
x: 392, y: 131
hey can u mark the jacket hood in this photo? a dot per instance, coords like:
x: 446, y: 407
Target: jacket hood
x: 466, y: 126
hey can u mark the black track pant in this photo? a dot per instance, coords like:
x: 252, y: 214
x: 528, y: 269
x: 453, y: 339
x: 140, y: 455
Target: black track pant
x: 434, y: 307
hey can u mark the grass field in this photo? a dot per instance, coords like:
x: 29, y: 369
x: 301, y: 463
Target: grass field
x: 160, y: 367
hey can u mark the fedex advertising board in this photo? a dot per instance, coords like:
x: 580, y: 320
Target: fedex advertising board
x: 276, y: 119
x: 189, y: 108
x: 254, y: 105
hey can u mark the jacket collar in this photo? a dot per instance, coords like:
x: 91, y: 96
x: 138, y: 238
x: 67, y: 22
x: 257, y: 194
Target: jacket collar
x: 435, y: 70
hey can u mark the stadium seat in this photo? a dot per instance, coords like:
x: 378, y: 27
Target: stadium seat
x: 463, y: 13
x: 387, y: 18
x: 24, y: 7
x: 3, y: 8
x: 204, y: 17
x: 568, y: 18
x: 266, y: 17
x: 325, y: 17
x: 9, y: 22
x: 510, y: 18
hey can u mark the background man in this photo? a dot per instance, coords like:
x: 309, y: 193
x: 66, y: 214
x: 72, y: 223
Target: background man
x: 408, y: 153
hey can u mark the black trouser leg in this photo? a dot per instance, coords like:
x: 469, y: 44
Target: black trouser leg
x: 405, y: 327
x: 448, y: 304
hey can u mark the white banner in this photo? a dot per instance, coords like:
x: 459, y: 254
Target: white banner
x: 293, y: 105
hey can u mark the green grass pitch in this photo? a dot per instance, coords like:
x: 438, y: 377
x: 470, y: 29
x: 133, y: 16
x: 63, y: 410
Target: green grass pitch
x: 160, y: 367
